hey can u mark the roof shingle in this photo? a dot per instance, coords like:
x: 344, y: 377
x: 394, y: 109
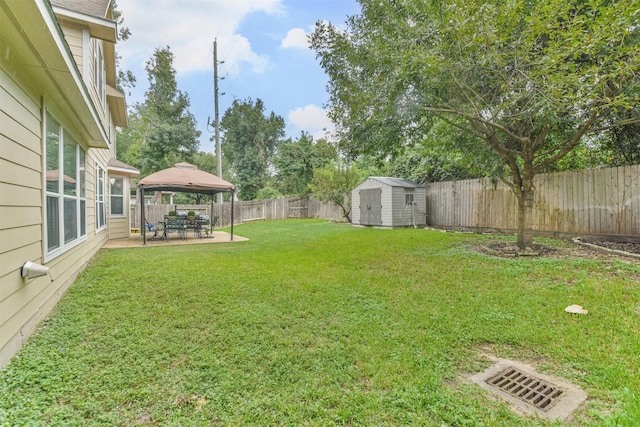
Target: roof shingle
x: 96, y: 8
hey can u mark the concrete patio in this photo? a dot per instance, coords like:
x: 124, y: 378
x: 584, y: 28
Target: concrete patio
x: 135, y: 241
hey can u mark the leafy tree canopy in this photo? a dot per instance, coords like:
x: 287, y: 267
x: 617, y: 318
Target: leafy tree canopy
x: 296, y: 160
x: 250, y: 140
x: 334, y: 182
x: 161, y: 130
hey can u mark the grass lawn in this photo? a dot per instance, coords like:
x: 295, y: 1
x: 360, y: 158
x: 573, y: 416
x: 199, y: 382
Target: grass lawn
x: 313, y: 323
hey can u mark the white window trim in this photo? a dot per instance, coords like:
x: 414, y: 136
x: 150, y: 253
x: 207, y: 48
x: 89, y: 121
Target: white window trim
x: 125, y: 199
x: 99, y: 71
x: 99, y: 228
x: 63, y: 247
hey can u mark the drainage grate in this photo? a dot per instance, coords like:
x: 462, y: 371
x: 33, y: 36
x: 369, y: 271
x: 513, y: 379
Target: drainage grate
x: 527, y: 388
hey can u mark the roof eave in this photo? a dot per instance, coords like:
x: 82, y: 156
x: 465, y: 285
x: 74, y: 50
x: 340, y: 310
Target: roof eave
x: 37, y: 44
x: 100, y: 28
x: 118, y: 106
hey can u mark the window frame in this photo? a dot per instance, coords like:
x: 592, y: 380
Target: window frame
x: 99, y: 71
x: 60, y: 194
x: 113, y: 195
x: 100, y: 198
x: 409, y: 198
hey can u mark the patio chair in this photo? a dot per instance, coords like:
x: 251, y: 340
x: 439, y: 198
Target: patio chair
x: 208, y: 231
x: 156, y: 228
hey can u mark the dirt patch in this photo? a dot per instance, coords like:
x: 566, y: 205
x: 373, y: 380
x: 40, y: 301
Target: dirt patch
x: 510, y: 250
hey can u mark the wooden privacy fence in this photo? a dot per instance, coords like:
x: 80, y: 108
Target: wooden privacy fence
x: 245, y: 211
x: 597, y: 202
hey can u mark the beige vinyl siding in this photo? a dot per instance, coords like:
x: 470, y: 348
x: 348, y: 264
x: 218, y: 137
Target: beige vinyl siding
x: 24, y: 303
x: 118, y: 227
x: 74, y: 36
x: 20, y: 177
x: 20, y: 204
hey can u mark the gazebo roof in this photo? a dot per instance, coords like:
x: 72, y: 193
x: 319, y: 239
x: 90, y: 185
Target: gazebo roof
x: 187, y: 178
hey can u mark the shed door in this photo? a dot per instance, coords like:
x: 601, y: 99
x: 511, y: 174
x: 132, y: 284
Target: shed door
x: 371, y: 206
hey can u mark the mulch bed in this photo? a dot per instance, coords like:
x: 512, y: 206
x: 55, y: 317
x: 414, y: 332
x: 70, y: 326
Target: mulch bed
x: 510, y: 250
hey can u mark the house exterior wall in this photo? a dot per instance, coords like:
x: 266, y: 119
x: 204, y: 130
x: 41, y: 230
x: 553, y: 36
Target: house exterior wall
x: 27, y: 96
x: 75, y: 39
x: 119, y: 225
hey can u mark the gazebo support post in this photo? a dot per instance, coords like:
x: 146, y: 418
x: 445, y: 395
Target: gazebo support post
x: 233, y: 193
x: 143, y: 226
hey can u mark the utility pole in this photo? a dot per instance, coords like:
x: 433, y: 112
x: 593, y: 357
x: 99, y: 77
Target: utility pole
x: 216, y: 118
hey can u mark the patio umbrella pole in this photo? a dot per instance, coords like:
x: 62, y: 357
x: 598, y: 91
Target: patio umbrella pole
x: 233, y: 193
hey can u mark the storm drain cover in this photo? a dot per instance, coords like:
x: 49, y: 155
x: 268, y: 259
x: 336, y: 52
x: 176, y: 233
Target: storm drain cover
x: 531, y: 392
x: 527, y: 388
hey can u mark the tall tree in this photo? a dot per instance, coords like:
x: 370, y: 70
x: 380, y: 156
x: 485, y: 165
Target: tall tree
x: 126, y: 79
x: 250, y: 139
x: 171, y: 134
x: 296, y: 160
x: 528, y: 79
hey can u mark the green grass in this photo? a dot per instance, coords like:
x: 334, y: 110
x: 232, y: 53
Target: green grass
x: 313, y: 323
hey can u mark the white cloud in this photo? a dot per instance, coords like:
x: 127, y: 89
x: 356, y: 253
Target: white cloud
x: 296, y: 38
x: 189, y: 29
x: 311, y: 119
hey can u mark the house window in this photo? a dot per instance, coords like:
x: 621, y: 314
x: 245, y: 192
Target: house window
x: 101, y: 212
x: 65, y: 206
x: 99, y: 70
x: 117, y: 196
x: 408, y: 198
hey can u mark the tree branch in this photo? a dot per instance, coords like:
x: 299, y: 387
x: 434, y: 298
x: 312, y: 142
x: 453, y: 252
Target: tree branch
x: 570, y: 145
x: 487, y: 124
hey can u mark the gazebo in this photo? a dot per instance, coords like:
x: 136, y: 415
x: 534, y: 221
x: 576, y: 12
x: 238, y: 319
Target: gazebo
x: 186, y: 178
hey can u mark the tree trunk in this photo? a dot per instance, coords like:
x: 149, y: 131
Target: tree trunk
x: 525, y: 214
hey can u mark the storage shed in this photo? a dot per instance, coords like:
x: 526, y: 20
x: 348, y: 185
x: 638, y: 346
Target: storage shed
x: 388, y: 202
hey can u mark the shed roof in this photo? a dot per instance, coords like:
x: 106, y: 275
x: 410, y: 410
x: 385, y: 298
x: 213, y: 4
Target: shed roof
x: 396, y: 182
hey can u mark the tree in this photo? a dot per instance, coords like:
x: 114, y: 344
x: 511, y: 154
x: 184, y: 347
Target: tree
x: 126, y: 79
x: 622, y: 143
x: 250, y: 140
x: 170, y: 134
x: 131, y: 139
x: 333, y: 183
x: 528, y: 79
x: 296, y: 160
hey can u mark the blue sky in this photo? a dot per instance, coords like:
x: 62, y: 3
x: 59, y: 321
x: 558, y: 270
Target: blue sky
x: 263, y: 46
